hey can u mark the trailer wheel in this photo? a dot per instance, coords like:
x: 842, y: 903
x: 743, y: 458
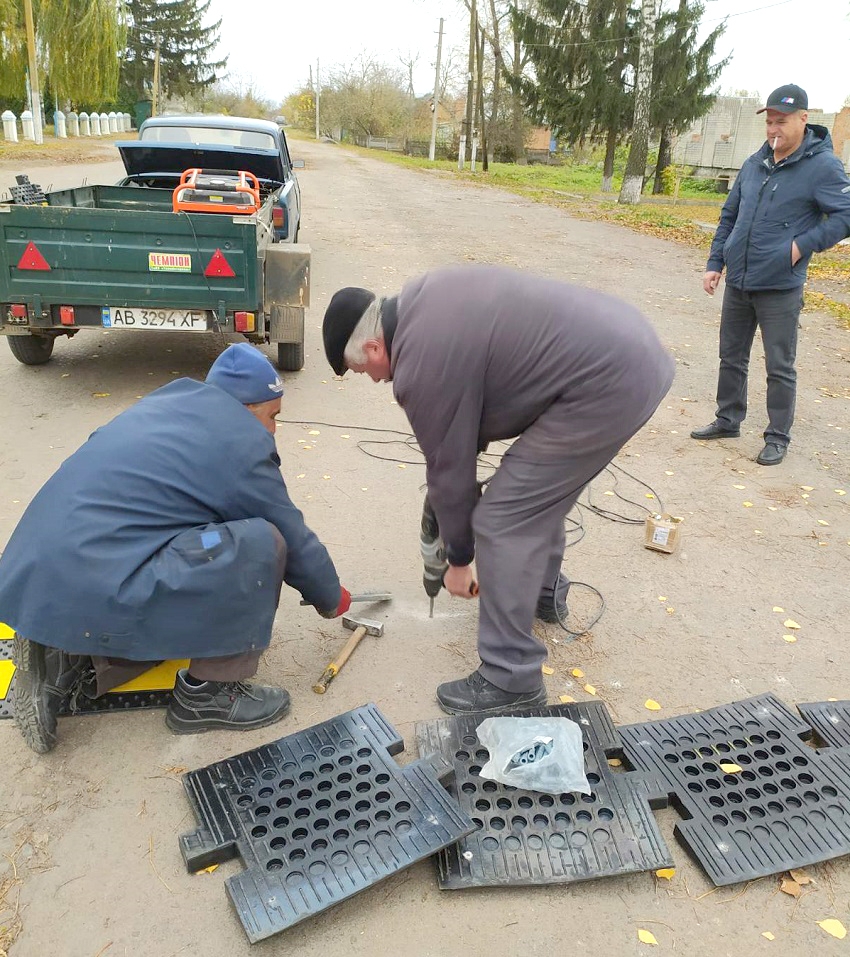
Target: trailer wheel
x: 290, y: 356
x: 31, y: 350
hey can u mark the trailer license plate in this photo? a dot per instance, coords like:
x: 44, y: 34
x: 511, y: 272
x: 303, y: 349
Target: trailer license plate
x: 187, y: 320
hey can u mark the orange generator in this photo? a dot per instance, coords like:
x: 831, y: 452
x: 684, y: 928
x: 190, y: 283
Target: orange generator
x: 216, y: 191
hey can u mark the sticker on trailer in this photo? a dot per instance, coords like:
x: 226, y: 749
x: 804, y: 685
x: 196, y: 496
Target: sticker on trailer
x: 169, y: 262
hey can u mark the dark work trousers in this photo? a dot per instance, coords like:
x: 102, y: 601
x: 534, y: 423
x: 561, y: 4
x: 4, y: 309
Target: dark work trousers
x: 776, y: 313
x: 112, y: 672
x: 519, y: 539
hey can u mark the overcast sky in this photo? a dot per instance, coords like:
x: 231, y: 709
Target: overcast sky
x: 274, y: 44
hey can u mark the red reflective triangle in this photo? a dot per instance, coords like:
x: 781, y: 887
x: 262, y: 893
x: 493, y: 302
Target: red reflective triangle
x: 32, y: 259
x: 219, y: 266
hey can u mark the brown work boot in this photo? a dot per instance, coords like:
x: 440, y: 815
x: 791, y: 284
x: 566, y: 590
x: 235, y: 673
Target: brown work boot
x: 228, y: 705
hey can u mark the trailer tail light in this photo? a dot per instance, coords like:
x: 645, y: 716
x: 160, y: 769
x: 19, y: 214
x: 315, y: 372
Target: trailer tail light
x: 219, y: 267
x: 279, y: 217
x: 244, y: 321
x: 66, y: 315
x: 18, y: 310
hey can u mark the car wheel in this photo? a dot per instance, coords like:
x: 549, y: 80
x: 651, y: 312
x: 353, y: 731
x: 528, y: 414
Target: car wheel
x: 290, y: 356
x: 31, y: 350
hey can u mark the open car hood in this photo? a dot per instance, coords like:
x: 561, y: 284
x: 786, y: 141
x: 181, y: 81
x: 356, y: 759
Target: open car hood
x: 141, y: 158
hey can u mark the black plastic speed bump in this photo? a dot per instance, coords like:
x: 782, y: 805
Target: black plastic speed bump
x: 317, y: 817
x: 831, y: 721
x: 756, y: 799
x: 528, y: 837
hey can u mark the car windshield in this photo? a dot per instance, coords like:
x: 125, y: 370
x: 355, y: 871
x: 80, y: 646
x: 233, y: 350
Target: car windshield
x: 208, y: 136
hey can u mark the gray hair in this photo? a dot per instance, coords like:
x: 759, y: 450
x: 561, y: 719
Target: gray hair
x: 368, y: 327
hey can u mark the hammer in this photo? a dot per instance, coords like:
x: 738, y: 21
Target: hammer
x: 360, y: 627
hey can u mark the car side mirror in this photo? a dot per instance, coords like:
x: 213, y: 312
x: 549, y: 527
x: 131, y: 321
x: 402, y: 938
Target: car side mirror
x: 298, y: 164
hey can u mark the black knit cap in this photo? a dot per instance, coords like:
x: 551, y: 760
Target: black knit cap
x: 344, y: 311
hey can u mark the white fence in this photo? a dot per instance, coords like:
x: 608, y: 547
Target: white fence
x: 65, y: 125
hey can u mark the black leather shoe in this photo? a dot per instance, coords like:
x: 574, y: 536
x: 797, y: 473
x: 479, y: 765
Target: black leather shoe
x: 772, y: 453
x: 44, y: 681
x: 476, y: 694
x: 715, y: 431
x: 549, y: 611
x: 231, y: 705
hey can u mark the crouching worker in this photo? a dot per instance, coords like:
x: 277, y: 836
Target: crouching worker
x: 168, y: 534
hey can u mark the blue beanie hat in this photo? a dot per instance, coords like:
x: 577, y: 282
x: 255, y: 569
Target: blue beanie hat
x: 246, y: 374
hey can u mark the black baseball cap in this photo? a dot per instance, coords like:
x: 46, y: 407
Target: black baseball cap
x: 344, y: 311
x: 786, y: 99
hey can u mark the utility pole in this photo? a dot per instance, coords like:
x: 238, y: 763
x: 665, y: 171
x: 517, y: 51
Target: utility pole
x: 432, y: 148
x: 632, y: 187
x: 35, y: 93
x: 317, y: 97
x: 466, y: 136
x: 155, y: 91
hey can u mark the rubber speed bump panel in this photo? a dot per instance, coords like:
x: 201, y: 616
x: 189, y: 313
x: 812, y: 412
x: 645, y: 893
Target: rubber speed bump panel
x: 756, y: 799
x: 528, y: 837
x: 317, y: 817
x: 7, y: 674
x: 831, y: 721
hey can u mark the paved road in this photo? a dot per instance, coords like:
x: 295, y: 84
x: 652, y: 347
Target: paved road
x: 92, y: 827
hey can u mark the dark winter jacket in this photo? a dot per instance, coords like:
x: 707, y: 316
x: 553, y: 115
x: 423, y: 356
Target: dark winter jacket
x: 480, y: 352
x: 804, y: 198
x: 115, y: 555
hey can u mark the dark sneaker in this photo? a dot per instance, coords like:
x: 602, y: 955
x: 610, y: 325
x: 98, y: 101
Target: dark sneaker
x: 476, y: 694
x: 715, y: 431
x: 772, y: 453
x: 232, y: 705
x: 552, y: 612
x: 44, y: 681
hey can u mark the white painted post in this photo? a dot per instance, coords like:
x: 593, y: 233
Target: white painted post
x: 128, y: 121
x: 104, y: 124
x: 73, y: 124
x: 59, y: 125
x: 85, y: 125
x: 27, y: 124
x: 113, y: 121
x: 95, y: 124
x: 10, y: 127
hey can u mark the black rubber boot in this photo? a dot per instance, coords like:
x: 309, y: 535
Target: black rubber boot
x: 552, y: 607
x: 44, y: 680
x: 476, y: 694
x: 230, y: 705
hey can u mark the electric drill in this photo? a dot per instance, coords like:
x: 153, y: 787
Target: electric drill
x: 434, y: 561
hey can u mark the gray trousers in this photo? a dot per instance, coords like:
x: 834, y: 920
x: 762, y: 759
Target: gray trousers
x: 112, y: 672
x: 519, y: 542
x: 776, y: 313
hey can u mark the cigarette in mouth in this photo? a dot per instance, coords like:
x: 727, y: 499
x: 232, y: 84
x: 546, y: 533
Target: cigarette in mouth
x: 775, y: 141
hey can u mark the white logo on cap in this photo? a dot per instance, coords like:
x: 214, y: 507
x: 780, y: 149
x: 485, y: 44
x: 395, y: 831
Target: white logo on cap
x: 276, y: 386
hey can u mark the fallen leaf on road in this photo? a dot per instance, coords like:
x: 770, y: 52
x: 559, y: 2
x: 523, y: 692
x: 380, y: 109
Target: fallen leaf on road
x: 833, y: 927
x: 666, y: 873
x: 807, y: 488
x: 789, y: 887
x: 673, y: 473
x: 651, y: 705
x: 801, y: 876
x: 100, y: 395
x: 767, y: 934
x: 790, y: 623
x: 740, y: 487
x: 747, y: 504
x: 314, y: 432
x: 650, y: 495
x: 547, y: 670
x: 345, y: 436
x: 662, y: 598
x: 300, y: 476
x: 822, y: 522
x: 590, y: 689
x: 566, y: 699
x: 839, y: 491
x: 789, y: 638
x: 614, y: 763
x: 207, y: 870
x: 647, y: 937
x: 401, y: 465
x: 727, y: 767
x: 577, y: 673
x: 777, y: 608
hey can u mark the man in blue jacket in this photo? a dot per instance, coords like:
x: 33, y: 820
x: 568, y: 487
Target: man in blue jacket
x: 168, y: 534
x: 791, y: 199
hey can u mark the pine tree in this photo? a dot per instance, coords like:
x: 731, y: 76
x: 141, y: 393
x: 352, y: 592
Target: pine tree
x: 682, y: 75
x: 176, y: 28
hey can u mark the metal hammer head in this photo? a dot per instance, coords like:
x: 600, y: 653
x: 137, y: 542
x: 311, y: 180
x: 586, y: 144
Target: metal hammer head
x: 372, y: 627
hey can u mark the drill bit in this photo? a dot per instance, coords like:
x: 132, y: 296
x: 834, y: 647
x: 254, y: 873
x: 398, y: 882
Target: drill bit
x: 431, y: 612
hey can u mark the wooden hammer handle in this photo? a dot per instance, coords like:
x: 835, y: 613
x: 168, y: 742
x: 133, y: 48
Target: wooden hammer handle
x: 332, y: 670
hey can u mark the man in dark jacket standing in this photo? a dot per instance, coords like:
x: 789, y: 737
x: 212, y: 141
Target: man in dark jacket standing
x: 791, y: 199
x: 479, y: 354
x: 168, y: 534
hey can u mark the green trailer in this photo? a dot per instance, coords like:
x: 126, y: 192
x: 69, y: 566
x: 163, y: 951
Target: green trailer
x: 120, y: 258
